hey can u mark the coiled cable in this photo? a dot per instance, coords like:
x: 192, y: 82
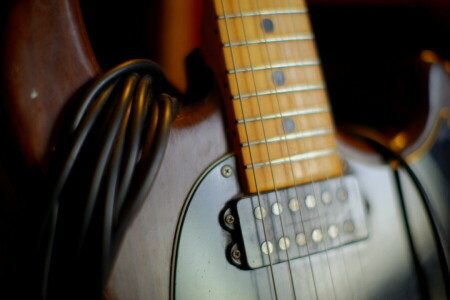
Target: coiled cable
x: 100, y: 174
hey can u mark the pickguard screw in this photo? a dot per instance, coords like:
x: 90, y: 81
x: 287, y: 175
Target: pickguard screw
x: 236, y: 254
x: 229, y: 219
x: 226, y: 171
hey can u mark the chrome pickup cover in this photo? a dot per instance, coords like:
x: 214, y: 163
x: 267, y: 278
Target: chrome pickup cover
x: 299, y: 221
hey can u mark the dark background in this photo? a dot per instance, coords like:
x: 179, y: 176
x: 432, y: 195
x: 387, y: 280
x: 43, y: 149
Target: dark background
x: 370, y: 52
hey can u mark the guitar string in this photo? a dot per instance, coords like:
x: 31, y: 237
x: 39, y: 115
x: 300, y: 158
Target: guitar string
x: 328, y: 183
x: 341, y: 184
x: 277, y: 17
x: 264, y: 40
x: 345, y: 258
x: 308, y: 168
x: 342, y: 262
x: 276, y: 96
x: 294, y: 179
x: 308, y: 163
x: 321, y: 222
x: 363, y: 277
x: 340, y: 180
x: 277, y: 199
x: 322, y: 211
x: 250, y: 150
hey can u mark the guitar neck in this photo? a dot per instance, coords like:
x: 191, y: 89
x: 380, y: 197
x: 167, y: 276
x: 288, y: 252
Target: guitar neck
x: 278, y: 99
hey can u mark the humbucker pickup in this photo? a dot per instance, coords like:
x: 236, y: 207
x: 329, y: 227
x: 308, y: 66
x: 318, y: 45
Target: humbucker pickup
x: 296, y: 222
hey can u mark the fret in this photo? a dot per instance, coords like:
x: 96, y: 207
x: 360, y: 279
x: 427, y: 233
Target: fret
x: 264, y: 28
x: 237, y: 7
x: 255, y: 107
x: 304, y: 63
x: 273, y: 79
x: 268, y: 129
x: 292, y: 173
x: 277, y: 91
x: 291, y: 136
x: 293, y: 89
x: 294, y: 158
x: 269, y: 53
x: 308, y: 111
x: 272, y: 151
x: 267, y: 12
x: 298, y: 37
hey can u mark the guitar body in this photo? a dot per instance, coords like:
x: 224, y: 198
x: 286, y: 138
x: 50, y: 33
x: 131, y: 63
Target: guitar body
x: 202, y: 271
x: 177, y: 247
x: 143, y: 267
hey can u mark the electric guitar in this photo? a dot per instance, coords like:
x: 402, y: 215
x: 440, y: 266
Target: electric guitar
x: 290, y: 216
x: 287, y: 211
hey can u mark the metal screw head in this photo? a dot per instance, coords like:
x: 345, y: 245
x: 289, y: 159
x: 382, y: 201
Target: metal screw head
x: 236, y: 254
x: 229, y: 219
x: 226, y: 171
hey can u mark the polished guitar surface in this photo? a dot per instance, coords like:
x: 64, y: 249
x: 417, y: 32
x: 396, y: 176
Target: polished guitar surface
x: 272, y: 249
x: 375, y: 268
x: 219, y: 222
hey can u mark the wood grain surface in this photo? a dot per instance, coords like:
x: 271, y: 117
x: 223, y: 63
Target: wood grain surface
x: 47, y: 60
x: 277, y: 93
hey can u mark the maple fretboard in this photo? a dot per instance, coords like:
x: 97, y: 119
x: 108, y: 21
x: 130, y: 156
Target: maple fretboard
x: 278, y: 95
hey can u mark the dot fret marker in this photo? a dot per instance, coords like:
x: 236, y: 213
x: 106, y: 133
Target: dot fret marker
x: 267, y: 25
x: 278, y: 78
x: 288, y: 125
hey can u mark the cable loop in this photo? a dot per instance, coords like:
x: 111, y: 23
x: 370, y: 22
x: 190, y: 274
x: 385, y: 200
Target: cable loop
x: 103, y: 167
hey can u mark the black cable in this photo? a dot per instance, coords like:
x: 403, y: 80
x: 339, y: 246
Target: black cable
x: 109, y: 135
x: 112, y: 177
x: 146, y: 170
x: 115, y: 143
x: 131, y: 147
x: 421, y: 276
x: 436, y: 229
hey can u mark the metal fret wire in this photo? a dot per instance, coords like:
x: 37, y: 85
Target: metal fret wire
x: 291, y: 113
x: 263, y: 13
x: 295, y: 158
x: 275, y: 40
x: 280, y: 65
x: 267, y: 147
x: 292, y: 89
x: 251, y: 155
x: 292, y: 136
